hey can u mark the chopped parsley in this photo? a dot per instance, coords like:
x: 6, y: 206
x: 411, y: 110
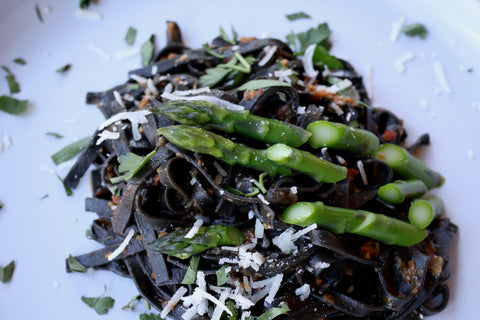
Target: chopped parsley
x: 85, y: 3
x: 130, y: 164
x: 298, y: 16
x: 69, y: 151
x: 54, y: 134
x: 12, y: 105
x: 100, y: 304
x: 273, y: 312
x: 20, y: 61
x: 150, y: 316
x: 74, y: 265
x: 415, y: 30
x: 132, y: 303
x: 191, y: 274
x: 211, y: 52
x: 6, y: 273
x: 320, y: 35
x: 64, y: 68
x: 322, y: 57
x: 12, y: 83
x: 39, y: 13
x: 224, y: 35
x: 236, y: 67
x: 130, y: 36
x: 222, y: 275
x: 147, y: 50
x: 262, y: 83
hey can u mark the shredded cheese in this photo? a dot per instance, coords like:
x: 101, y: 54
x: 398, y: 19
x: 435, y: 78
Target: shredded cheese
x: 307, y: 61
x: 122, y: 245
x: 135, y: 117
x: 303, y: 292
x: 259, y: 229
x: 441, y: 77
x: 262, y: 198
x: 173, y: 301
x: 269, y: 51
x: 126, y: 54
x: 399, y: 64
x: 99, y: 51
x: 194, y: 230
x: 284, y: 75
x: 119, y: 99
x: 363, y: 174
x: 397, y: 29
x: 139, y: 79
x: 107, y: 135
x: 89, y: 14
x: 286, y: 240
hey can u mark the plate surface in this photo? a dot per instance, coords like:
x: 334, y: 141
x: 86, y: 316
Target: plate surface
x: 40, y: 226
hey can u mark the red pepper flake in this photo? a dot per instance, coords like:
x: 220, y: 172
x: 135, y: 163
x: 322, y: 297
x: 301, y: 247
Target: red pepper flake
x: 389, y: 135
x: 352, y: 173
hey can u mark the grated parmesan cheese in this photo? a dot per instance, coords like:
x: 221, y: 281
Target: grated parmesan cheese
x: 107, y: 135
x: 139, y: 79
x: 441, y: 77
x: 152, y: 87
x: 173, y: 301
x: 286, y: 240
x: 340, y: 159
x: 301, y: 110
x: 259, y: 229
x: 126, y: 54
x: 284, y: 75
x: 122, y: 245
x: 294, y: 190
x: 88, y: 14
x: 119, y: 99
x: 194, y: 230
x: 397, y: 29
x: 363, y: 174
x: 269, y: 51
x: 154, y: 70
x: 399, y: 64
x: 337, y: 108
x: 303, y: 292
x: 262, y: 198
x: 135, y: 117
x: 98, y: 50
x: 307, y: 61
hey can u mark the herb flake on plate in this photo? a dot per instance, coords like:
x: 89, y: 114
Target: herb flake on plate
x: 54, y: 134
x: 70, y: 151
x: 100, y: 304
x: 12, y: 105
x: 297, y: 16
x: 322, y: 57
x: 191, y: 274
x: 12, y: 83
x: 20, y: 61
x: 147, y: 50
x: 130, y: 36
x: 6, y: 273
x: 415, y: 30
x: 64, y: 68
x: 38, y: 12
x: 74, y: 265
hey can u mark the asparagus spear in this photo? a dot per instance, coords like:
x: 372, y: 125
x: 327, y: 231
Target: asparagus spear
x: 340, y: 220
x: 175, y: 244
x: 211, y: 116
x: 203, y: 141
x: 407, y: 166
x: 423, y: 211
x: 399, y: 190
x: 319, y: 169
x: 343, y: 137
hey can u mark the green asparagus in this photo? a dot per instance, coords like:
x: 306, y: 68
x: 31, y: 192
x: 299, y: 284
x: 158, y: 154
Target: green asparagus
x: 208, y: 115
x: 175, y: 244
x: 319, y: 169
x: 342, y: 137
x: 203, y: 141
x: 399, y: 190
x: 407, y: 166
x: 423, y: 211
x: 341, y: 220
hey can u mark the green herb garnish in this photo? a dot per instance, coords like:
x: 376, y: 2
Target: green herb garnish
x: 130, y: 36
x: 297, y: 16
x: 301, y: 41
x: 6, y: 273
x: 191, y: 274
x: 262, y: 83
x: 322, y: 57
x: 54, y: 134
x: 238, y: 65
x: 85, y: 3
x: 130, y: 164
x: 39, y: 13
x: 415, y: 30
x: 147, y: 50
x: 100, y: 304
x: 12, y: 105
x: 132, y: 303
x: 274, y: 312
x: 12, y: 83
x: 259, y: 183
x: 150, y: 316
x: 68, y: 191
x: 20, y: 61
x: 211, y: 52
x: 74, y: 265
x: 224, y: 35
x: 222, y: 275
x: 64, y: 68
x: 69, y: 151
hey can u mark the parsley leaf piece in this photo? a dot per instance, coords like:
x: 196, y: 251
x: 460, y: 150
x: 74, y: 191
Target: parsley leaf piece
x: 64, y: 68
x: 85, y: 3
x: 259, y: 183
x: 12, y: 105
x: 12, y: 84
x: 147, y: 50
x: 7, y: 272
x: 130, y: 36
x: 297, y: 16
x: 225, y: 36
x: 150, y: 316
x: 69, y: 151
x: 191, y: 274
x: 54, y: 134
x: 68, y: 191
x: 321, y: 56
x: 213, y: 76
x: 415, y: 30
x: 20, y: 61
x: 74, y: 265
x: 100, y: 304
x: 222, y: 275
x: 211, y: 52
x: 39, y: 13
x: 262, y: 83
x: 132, y: 303
x: 131, y: 164
x: 319, y: 36
x: 274, y: 312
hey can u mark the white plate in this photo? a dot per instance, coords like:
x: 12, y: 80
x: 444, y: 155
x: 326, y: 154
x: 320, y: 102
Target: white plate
x: 40, y: 233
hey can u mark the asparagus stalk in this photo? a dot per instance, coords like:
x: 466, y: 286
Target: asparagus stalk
x: 203, y: 141
x: 319, y: 169
x: 342, y: 137
x: 211, y: 116
x: 341, y: 220
x: 399, y: 190
x: 423, y: 211
x: 407, y: 166
x: 175, y: 244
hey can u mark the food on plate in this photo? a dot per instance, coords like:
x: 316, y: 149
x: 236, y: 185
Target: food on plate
x: 251, y: 179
